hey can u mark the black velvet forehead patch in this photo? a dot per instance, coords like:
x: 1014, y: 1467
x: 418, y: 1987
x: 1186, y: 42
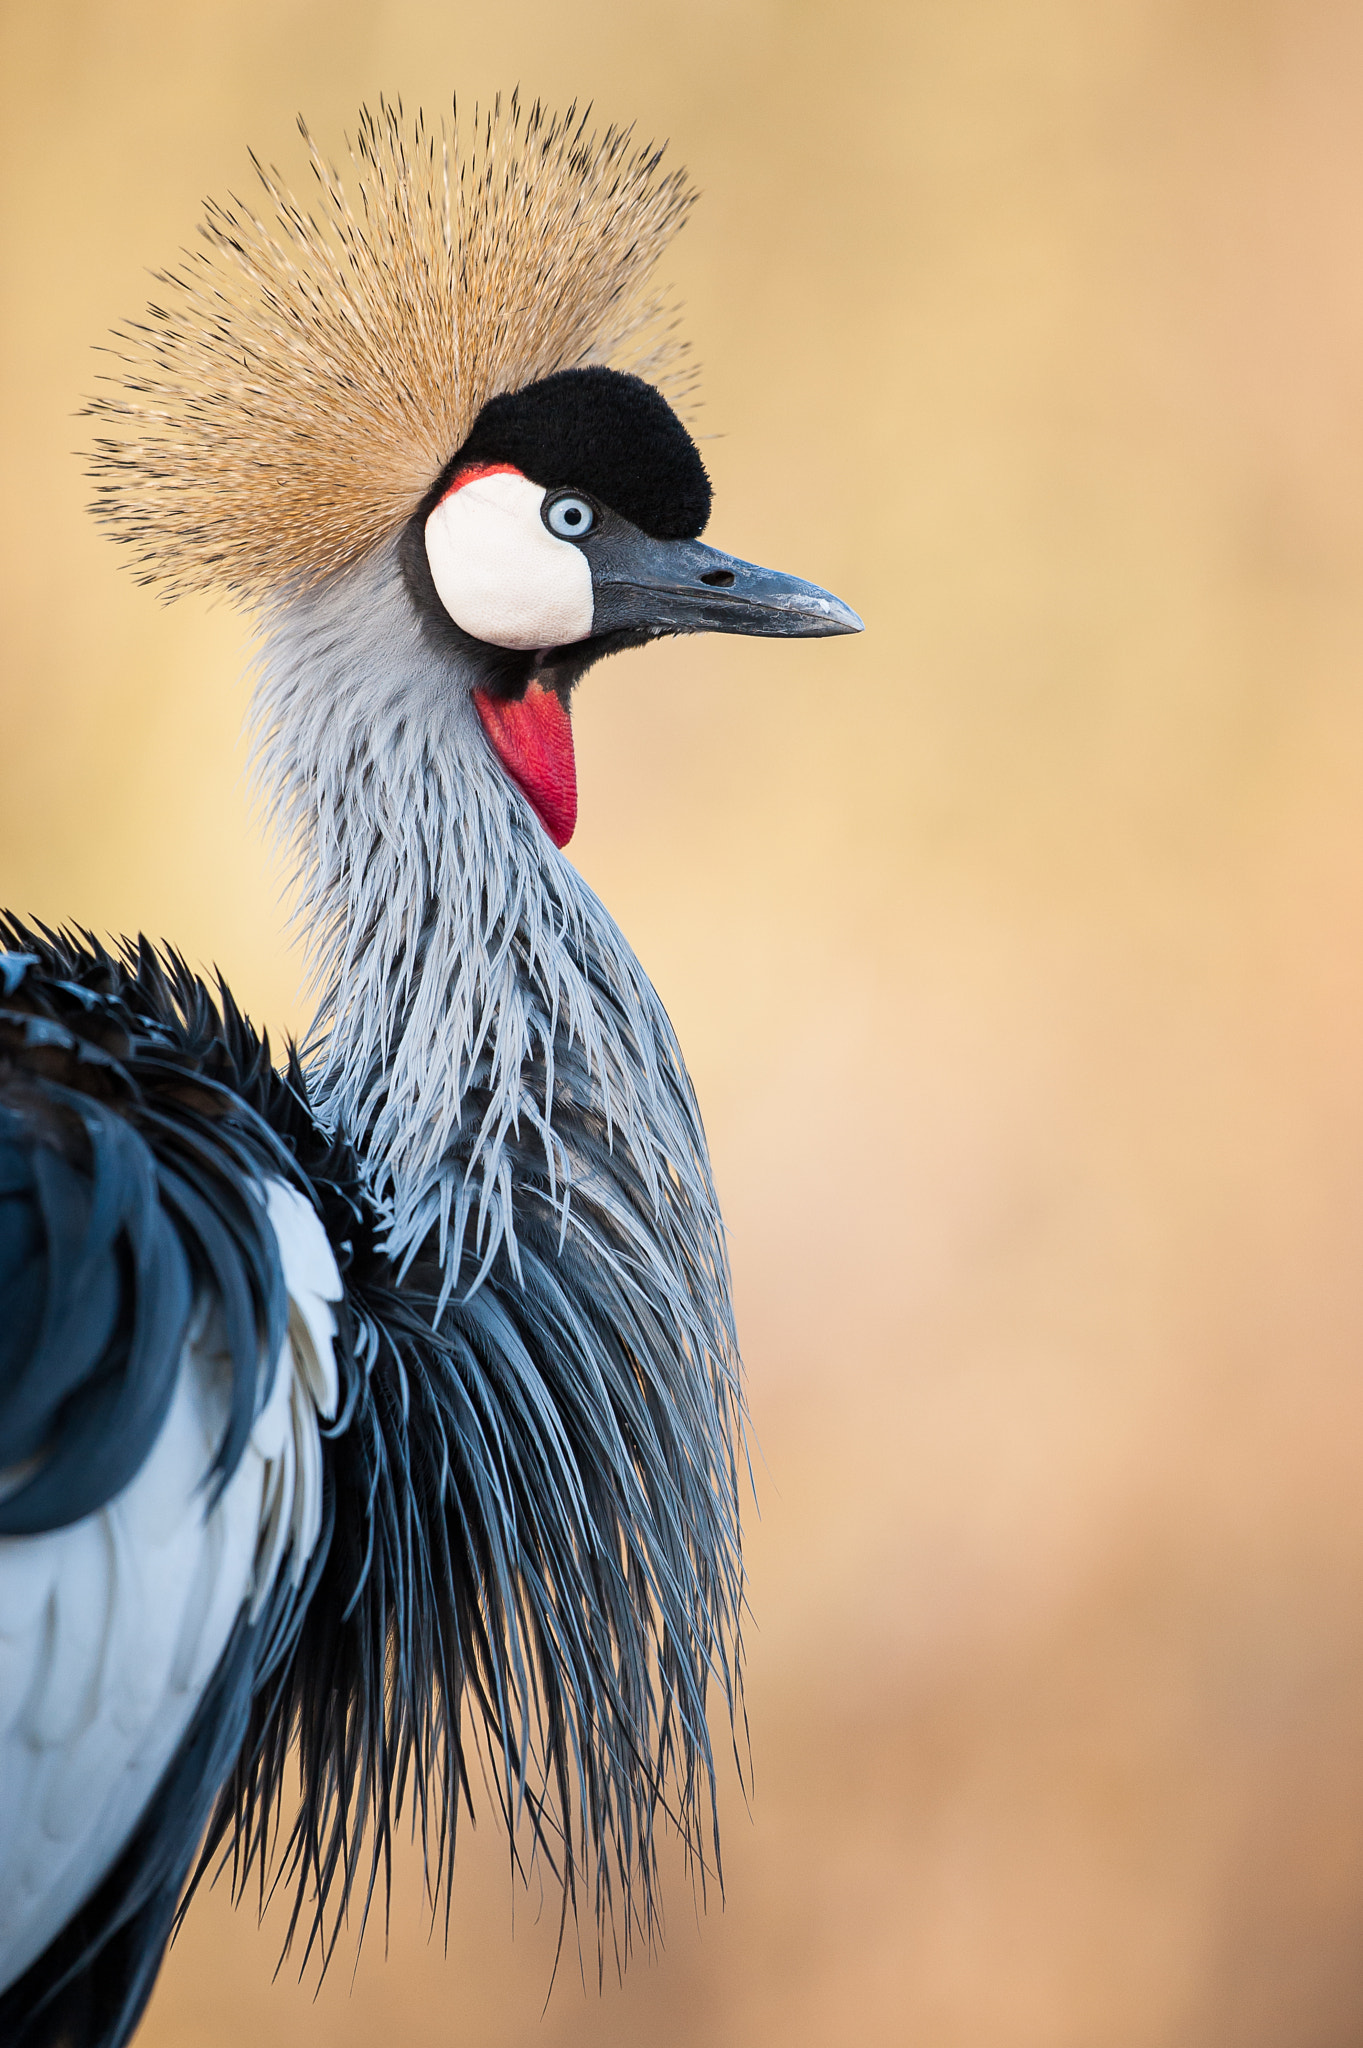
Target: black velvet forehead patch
x: 610, y: 434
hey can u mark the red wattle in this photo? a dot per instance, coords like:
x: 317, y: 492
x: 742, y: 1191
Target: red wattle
x: 533, y: 739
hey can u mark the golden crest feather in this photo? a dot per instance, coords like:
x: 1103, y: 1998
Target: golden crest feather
x: 305, y: 377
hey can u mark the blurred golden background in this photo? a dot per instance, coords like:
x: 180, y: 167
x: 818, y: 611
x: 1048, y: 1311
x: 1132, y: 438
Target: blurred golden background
x: 1017, y: 949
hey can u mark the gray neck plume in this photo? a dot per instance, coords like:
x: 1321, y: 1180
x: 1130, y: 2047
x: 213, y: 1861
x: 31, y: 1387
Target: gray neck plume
x: 461, y: 962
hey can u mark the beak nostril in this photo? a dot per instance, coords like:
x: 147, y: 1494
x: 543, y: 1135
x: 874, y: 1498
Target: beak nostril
x: 719, y: 579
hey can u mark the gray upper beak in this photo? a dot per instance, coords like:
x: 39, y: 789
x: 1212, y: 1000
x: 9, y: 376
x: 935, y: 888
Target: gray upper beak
x: 682, y: 586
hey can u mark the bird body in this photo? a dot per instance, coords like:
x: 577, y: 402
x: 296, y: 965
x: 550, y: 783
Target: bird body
x: 389, y: 1401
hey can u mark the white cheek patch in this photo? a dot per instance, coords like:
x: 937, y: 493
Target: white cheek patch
x: 500, y: 573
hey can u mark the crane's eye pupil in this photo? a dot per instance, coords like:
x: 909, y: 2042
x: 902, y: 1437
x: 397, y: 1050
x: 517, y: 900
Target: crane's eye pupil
x: 569, y: 517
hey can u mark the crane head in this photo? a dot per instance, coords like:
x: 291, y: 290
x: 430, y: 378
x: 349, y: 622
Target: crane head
x: 450, y: 368
x: 567, y: 528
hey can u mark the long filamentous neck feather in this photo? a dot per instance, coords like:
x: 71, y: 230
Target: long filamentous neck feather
x: 454, y: 949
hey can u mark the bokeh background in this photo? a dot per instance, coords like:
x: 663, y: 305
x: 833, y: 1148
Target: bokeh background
x: 1017, y: 949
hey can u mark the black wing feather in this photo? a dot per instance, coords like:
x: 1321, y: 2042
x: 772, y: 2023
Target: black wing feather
x: 85, y: 1402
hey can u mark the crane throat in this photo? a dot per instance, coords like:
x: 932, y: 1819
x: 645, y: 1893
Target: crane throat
x: 532, y: 737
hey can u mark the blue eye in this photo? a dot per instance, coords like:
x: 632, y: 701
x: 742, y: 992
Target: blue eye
x: 570, y: 518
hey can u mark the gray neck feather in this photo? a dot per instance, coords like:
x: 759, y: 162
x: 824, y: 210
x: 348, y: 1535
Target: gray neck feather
x: 457, y: 956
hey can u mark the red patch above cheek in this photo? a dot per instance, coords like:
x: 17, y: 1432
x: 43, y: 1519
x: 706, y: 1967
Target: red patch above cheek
x: 471, y: 473
x: 533, y: 739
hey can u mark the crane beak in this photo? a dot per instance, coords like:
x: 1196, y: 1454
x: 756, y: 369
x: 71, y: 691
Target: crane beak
x: 681, y: 586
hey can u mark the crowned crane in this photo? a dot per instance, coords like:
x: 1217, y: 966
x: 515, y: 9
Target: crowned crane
x: 371, y: 1413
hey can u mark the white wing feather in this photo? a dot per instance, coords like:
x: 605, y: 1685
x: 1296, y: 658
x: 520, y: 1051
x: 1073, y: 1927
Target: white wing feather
x: 110, y: 1630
